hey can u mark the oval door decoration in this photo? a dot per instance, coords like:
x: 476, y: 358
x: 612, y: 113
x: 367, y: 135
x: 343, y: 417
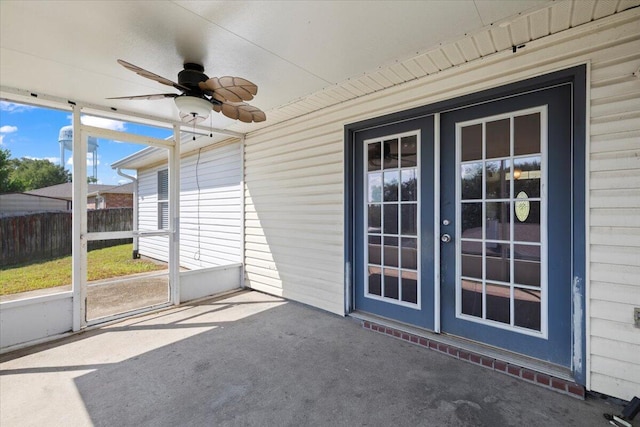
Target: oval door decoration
x: 522, y: 207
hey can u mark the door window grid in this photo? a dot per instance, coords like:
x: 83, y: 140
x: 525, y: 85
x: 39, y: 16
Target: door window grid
x: 517, y: 293
x: 392, y: 212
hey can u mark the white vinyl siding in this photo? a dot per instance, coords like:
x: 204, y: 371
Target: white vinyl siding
x: 294, y: 185
x: 209, y: 222
x: 615, y: 220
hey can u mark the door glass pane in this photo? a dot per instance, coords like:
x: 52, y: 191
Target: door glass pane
x: 526, y: 134
x: 498, y: 139
x: 409, y: 286
x: 409, y: 255
x: 375, y: 280
x: 526, y: 227
x: 498, y: 220
x: 498, y: 179
x: 498, y: 303
x: 409, y: 185
x: 527, y: 175
x: 409, y: 219
x: 374, y: 193
x: 409, y: 151
x: 526, y: 307
x: 391, y: 283
x: 471, y: 181
x: 471, y: 142
x: 374, y: 156
x: 472, y: 297
x: 375, y: 218
x: 472, y: 259
x: 498, y: 262
x: 526, y: 265
x: 390, y: 159
x: 391, y: 251
x: 391, y: 180
x: 390, y: 219
x: 375, y: 250
x: 471, y: 220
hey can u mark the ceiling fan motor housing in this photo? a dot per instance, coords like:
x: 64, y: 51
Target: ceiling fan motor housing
x: 191, y: 76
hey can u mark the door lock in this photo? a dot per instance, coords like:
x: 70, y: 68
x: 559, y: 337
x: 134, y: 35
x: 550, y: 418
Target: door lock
x: 445, y: 238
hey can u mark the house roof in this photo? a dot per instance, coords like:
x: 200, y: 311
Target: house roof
x: 304, y: 55
x: 65, y: 191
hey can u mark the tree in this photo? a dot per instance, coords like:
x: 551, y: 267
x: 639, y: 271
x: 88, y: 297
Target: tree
x: 5, y: 170
x: 29, y: 174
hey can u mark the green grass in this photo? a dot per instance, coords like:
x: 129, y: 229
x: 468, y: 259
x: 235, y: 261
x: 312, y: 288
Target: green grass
x: 101, y: 264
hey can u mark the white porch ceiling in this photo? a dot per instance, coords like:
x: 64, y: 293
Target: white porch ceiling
x: 304, y: 55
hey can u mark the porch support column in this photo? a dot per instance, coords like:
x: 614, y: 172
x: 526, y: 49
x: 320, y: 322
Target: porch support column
x: 79, y: 223
x: 174, y: 217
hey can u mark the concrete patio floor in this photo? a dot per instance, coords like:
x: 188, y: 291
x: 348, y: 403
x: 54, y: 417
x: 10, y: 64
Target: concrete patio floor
x: 251, y: 359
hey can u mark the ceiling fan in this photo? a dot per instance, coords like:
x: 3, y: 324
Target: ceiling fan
x: 201, y: 94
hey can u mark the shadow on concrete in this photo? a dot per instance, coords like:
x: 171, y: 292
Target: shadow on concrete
x: 252, y: 359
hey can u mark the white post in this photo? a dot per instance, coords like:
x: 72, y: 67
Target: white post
x: 174, y: 217
x: 79, y: 223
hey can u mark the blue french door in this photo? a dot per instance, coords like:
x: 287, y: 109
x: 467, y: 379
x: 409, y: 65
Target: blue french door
x: 506, y: 224
x: 394, y: 221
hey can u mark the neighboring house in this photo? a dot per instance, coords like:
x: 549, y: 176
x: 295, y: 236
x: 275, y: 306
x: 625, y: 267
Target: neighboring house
x: 22, y: 203
x: 120, y: 196
x: 210, y: 205
x: 99, y: 196
x: 487, y: 189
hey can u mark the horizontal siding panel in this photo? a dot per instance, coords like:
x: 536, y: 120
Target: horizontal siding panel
x: 614, y: 386
x: 619, y: 160
x: 614, y: 311
x: 616, y: 255
x: 623, y: 332
x: 624, y: 294
x: 624, y: 198
x: 616, y: 368
x: 616, y: 106
x: 615, y: 350
x: 616, y: 142
x: 624, y: 179
x: 622, y: 274
x: 615, y: 217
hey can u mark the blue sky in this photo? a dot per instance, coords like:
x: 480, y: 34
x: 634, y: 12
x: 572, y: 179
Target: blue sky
x: 28, y: 131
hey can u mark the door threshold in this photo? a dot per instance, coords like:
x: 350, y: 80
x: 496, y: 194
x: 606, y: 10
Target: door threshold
x: 532, y: 370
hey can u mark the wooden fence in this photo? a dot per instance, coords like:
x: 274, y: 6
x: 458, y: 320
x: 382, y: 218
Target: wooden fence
x: 48, y: 235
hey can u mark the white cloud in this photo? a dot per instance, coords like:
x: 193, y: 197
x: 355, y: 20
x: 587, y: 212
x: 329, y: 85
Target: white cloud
x: 8, y: 129
x: 100, y: 122
x: 12, y: 107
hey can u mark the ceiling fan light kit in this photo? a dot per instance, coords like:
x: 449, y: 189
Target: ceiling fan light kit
x: 201, y: 94
x: 192, y: 109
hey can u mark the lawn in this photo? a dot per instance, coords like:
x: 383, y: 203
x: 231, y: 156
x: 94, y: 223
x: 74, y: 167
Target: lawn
x: 102, y: 264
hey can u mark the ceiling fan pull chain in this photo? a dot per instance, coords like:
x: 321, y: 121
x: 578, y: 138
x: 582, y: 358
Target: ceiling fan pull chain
x: 194, y: 126
x: 210, y: 126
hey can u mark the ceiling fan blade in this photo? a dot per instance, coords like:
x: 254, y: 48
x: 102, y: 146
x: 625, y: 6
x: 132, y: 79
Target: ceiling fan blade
x: 232, y: 89
x: 148, y: 74
x: 154, y: 96
x: 244, y: 112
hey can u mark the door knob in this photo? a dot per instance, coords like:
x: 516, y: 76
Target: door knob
x: 445, y: 238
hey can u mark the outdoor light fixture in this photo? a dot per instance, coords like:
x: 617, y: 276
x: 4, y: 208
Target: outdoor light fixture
x: 516, y: 173
x: 192, y: 109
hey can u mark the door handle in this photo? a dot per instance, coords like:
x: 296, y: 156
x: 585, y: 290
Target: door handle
x: 445, y: 238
